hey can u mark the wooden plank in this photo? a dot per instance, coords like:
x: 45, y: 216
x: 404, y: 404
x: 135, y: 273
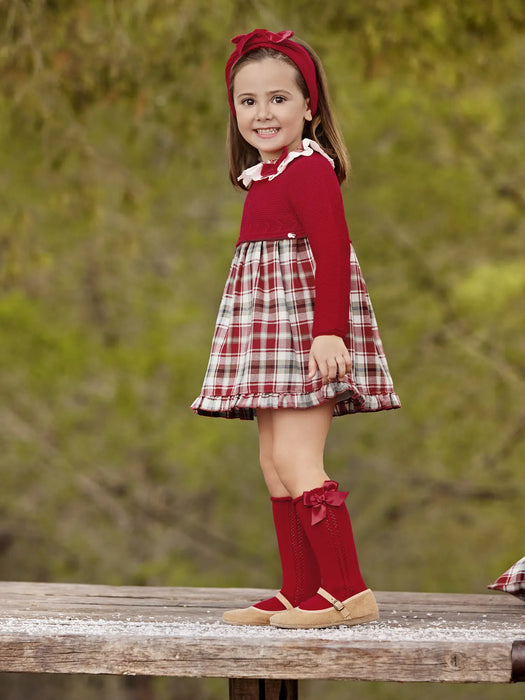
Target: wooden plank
x: 69, y: 628
x: 430, y: 662
x: 112, y: 601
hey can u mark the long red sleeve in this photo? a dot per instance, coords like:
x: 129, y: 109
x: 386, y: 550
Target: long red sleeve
x: 316, y: 199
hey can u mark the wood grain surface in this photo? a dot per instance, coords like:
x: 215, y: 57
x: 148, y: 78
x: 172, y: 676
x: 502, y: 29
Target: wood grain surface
x: 79, y: 628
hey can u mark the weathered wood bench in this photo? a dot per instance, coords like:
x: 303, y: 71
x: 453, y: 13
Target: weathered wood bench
x: 70, y: 628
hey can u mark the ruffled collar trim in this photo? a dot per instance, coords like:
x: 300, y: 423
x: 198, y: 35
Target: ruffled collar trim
x: 269, y: 171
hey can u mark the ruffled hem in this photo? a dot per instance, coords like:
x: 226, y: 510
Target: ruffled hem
x: 244, y: 406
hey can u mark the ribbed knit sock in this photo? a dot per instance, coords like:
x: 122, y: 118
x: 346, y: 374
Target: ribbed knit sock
x: 327, y: 525
x: 301, y: 577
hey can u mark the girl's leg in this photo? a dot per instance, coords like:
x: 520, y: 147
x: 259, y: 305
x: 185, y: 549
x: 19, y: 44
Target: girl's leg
x: 300, y: 571
x: 298, y: 441
x: 265, y: 426
x: 292, y: 447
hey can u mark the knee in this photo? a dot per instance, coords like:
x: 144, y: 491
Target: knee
x: 266, y: 460
x: 275, y: 458
x: 297, y: 470
x: 285, y: 466
x: 274, y: 483
x: 285, y: 459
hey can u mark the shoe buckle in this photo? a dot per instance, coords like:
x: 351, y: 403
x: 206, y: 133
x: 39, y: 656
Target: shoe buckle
x: 338, y: 605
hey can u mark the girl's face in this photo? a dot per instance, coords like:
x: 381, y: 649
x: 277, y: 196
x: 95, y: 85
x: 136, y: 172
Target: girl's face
x: 270, y: 107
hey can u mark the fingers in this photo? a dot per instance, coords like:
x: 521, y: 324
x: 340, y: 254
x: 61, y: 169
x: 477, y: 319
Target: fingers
x: 331, y: 370
x: 312, y: 366
x: 336, y: 368
x: 331, y: 359
x: 341, y: 366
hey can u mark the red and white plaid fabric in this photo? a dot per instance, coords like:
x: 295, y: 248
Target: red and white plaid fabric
x: 512, y: 581
x: 259, y: 354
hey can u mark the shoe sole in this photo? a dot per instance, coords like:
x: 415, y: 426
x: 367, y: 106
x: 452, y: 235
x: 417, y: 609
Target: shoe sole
x: 325, y: 625
x: 247, y: 624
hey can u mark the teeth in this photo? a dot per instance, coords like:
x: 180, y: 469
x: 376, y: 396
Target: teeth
x: 267, y: 131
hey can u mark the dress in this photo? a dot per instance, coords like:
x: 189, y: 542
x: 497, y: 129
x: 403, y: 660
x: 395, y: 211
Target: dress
x: 273, y: 305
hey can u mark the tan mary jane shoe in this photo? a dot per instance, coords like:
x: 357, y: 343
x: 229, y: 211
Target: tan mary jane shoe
x: 253, y: 615
x: 355, y: 610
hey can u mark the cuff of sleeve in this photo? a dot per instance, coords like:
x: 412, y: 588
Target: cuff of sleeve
x: 329, y: 331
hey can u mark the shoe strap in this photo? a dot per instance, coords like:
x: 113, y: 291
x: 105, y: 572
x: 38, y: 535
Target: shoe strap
x: 338, y: 605
x: 284, y: 601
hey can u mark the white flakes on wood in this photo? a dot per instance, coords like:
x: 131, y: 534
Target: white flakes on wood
x: 388, y: 631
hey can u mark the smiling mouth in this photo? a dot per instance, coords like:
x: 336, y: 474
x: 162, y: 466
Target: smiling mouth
x: 267, y: 132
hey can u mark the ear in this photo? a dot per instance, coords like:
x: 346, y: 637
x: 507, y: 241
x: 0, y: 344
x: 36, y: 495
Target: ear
x: 308, y: 114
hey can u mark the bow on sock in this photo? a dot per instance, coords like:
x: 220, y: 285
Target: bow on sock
x: 317, y: 499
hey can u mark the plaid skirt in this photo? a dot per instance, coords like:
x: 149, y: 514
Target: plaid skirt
x: 263, y: 335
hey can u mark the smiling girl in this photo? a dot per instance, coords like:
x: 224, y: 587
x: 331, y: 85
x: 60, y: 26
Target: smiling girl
x: 296, y: 341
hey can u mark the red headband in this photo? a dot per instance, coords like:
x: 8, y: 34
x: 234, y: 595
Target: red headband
x: 262, y: 38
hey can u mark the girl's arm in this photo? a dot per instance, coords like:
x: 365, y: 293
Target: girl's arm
x: 316, y: 198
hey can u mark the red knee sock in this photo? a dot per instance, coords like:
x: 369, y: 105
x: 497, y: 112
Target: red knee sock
x: 301, y: 577
x: 326, y: 522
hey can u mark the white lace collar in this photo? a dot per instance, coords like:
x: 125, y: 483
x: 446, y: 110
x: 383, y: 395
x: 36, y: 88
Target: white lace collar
x: 268, y: 171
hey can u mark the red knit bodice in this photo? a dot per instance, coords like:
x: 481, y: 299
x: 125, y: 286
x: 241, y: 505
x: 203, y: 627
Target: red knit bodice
x: 304, y: 200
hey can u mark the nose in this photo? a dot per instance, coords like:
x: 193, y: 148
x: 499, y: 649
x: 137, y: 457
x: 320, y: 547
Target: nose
x: 263, y: 111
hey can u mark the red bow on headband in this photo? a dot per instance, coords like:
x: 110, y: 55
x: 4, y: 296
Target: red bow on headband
x: 279, y: 41
x: 317, y: 499
x: 258, y: 36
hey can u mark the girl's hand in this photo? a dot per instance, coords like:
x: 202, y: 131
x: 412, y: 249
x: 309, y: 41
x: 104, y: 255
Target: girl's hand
x: 330, y: 356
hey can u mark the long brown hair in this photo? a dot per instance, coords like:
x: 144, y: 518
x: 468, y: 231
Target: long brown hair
x: 322, y: 129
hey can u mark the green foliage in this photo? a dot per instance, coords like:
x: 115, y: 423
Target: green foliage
x: 492, y: 289
x: 117, y: 225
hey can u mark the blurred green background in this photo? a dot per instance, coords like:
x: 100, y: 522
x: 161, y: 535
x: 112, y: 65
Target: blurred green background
x: 117, y: 226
